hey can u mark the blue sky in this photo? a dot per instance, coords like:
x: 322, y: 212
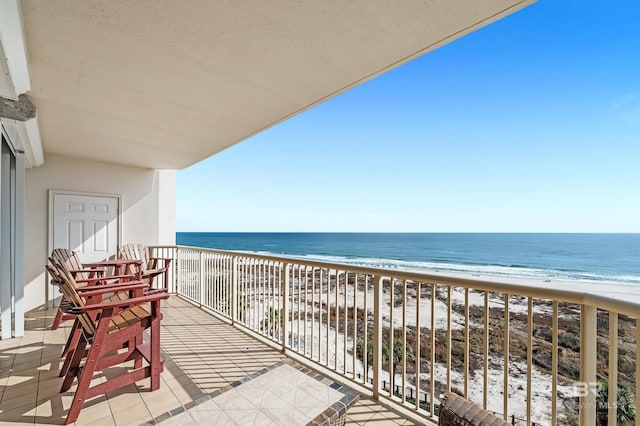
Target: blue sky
x: 531, y: 124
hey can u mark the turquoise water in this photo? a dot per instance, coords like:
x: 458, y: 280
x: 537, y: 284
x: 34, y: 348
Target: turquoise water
x: 591, y: 257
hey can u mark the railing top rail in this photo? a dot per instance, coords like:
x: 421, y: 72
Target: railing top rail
x: 563, y: 295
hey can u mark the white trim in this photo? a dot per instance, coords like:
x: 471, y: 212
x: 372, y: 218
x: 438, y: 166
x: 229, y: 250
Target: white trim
x: 14, y: 62
x: 24, y: 136
x: 30, y: 136
x: 5, y: 246
x: 18, y: 278
x: 8, y: 131
x: 6, y: 85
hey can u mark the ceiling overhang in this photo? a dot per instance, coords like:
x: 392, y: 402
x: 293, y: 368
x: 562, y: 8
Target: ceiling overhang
x: 165, y: 84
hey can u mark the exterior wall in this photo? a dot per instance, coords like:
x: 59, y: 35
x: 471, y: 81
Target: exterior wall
x: 148, y: 208
x: 166, y: 207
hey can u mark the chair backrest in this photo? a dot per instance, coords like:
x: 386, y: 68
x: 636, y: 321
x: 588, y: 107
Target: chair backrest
x: 63, y: 278
x: 136, y: 251
x: 69, y: 260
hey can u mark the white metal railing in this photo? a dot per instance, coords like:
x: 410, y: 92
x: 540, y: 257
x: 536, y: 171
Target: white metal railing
x: 532, y: 355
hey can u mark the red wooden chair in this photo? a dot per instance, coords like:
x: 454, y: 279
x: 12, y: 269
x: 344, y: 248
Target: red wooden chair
x: 111, y: 289
x: 151, y: 266
x: 107, y: 327
x: 71, y: 261
x: 87, y: 274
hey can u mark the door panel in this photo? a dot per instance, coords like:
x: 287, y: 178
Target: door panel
x: 86, y: 224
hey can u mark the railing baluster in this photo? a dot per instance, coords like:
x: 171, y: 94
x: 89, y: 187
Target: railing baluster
x: 212, y: 281
x: 391, y: 338
x: 365, y: 347
x: 485, y: 378
x: 260, y: 294
x: 320, y: 309
x: 277, y: 294
x: 201, y: 279
x: 345, y: 327
x: 234, y: 290
x: 306, y: 308
x: 505, y: 379
x: 355, y: 324
x: 313, y: 313
x: 637, y: 370
x: 448, y: 338
x: 256, y: 293
x: 377, y: 335
x: 275, y: 329
x: 554, y: 365
x: 298, y: 308
x: 417, y: 357
x: 285, y: 305
x: 588, y: 359
x: 466, y: 343
x: 251, y: 282
x: 404, y: 340
x: 613, y: 369
x: 246, y: 296
x: 337, y: 325
x: 432, y: 380
x: 328, y: 316
x: 271, y: 308
x: 218, y: 273
x: 529, y: 355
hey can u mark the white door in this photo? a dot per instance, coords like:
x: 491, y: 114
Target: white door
x: 86, y: 224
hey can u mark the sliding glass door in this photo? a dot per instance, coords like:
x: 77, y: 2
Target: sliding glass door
x: 11, y: 240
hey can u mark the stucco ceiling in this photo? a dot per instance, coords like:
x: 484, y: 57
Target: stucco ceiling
x: 164, y: 84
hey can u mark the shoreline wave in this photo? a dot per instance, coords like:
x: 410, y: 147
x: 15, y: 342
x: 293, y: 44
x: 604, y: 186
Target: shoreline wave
x: 501, y: 271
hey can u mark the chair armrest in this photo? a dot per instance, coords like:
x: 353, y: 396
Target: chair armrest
x: 111, y: 288
x: 153, y: 263
x: 110, y: 278
x: 156, y: 269
x: 89, y: 270
x: 134, y: 301
x: 94, y: 266
x: 91, y: 273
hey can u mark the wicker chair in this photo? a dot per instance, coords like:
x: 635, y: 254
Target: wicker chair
x: 457, y: 411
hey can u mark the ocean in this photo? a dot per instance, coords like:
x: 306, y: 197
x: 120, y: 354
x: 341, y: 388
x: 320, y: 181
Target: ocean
x: 585, y: 257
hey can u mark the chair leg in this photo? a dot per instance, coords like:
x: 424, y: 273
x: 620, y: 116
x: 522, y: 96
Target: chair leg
x: 66, y: 365
x: 137, y: 363
x: 84, y: 380
x: 72, y: 343
x: 74, y: 364
x: 155, y: 351
x: 58, y: 319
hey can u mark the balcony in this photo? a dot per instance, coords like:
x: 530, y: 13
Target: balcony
x: 204, y: 356
x: 531, y: 355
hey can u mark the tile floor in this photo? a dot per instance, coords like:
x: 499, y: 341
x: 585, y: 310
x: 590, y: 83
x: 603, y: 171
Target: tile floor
x: 283, y: 395
x: 203, y: 357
